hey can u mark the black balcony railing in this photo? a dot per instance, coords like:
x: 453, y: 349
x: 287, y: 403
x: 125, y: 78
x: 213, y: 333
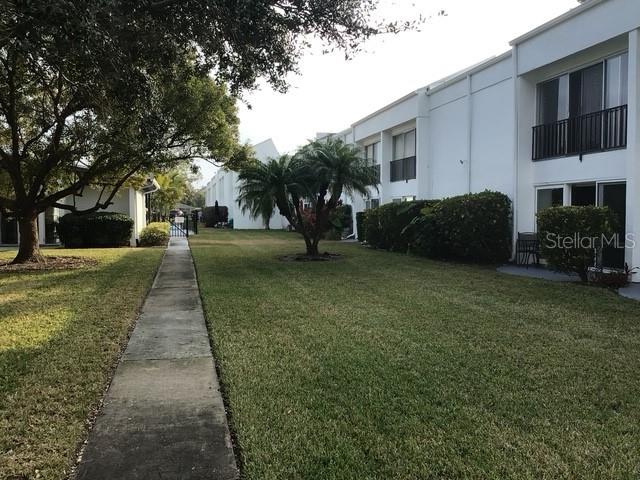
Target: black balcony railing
x: 590, y: 133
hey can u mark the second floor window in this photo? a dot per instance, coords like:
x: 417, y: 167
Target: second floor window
x: 403, y: 166
x: 583, y: 111
x: 597, y: 87
x: 371, y: 153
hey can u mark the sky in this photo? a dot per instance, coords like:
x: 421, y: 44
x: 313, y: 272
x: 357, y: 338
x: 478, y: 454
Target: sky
x: 330, y: 93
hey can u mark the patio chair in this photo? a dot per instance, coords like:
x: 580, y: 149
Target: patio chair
x: 527, y: 249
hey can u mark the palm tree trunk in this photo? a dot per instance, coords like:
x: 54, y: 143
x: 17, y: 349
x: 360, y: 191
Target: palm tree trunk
x: 29, y: 249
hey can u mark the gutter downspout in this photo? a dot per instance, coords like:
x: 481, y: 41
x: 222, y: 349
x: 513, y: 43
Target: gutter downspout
x: 469, y: 133
x: 516, y: 150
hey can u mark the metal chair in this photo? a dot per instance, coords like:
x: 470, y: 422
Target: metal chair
x: 527, y: 248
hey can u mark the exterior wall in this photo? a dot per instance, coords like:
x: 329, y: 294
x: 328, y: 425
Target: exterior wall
x: 464, y: 134
x: 590, y: 24
x: 223, y: 188
x: 448, y: 149
x: 128, y: 201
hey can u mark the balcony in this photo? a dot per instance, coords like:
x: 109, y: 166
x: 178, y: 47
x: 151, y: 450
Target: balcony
x: 590, y: 133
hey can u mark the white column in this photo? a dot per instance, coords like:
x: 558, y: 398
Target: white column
x: 423, y: 142
x: 386, y: 154
x: 134, y: 216
x: 41, y: 229
x: 633, y: 152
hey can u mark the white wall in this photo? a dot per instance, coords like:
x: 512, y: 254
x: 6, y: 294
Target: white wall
x: 223, y: 188
x: 591, y: 24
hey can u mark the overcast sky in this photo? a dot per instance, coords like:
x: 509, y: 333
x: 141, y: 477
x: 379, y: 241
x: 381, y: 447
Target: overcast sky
x: 330, y: 93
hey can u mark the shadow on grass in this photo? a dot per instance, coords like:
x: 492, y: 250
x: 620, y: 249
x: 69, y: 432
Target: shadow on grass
x: 52, y: 380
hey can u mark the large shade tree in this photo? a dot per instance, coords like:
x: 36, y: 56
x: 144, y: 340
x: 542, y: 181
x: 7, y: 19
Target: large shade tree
x: 318, y: 175
x: 96, y: 91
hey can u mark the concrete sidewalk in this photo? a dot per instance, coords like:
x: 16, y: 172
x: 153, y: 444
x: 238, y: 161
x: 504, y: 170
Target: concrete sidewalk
x: 163, y: 416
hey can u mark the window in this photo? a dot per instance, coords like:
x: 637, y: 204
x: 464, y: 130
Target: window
x: 583, y: 111
x: 582, y: 92
x: 583, y: 195
x: 371, y: 155
x: 549, y: 197
x: 409, y: 198
x: 617, y: 76
x: 372, y: 203
x: 403, y: 166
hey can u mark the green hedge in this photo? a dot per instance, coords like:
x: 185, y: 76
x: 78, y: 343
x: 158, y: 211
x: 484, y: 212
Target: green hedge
x: 475, y: 227
x: 155, y: 234
x: 385, y: 226
x: 569, y: 236
x: 211, y: 219
x: 100, y: 229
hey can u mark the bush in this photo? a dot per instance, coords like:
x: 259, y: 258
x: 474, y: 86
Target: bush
x: 474, y: 227
x: 360, y: 225
x: 341, y: 220
x: 570, y: 236
x: 211, y: 217
x: 100, y: 229
x: 154, y: 234
x: 385, y: 226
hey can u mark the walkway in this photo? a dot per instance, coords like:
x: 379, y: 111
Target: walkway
x: 537, y: 272
x: 163, y: 416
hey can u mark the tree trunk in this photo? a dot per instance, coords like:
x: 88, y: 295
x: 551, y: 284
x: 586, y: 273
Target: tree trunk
x: 29, y: 250
x: 312, y: 249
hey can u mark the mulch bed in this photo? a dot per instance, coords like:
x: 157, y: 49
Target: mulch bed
x: 50, y: 263
x: 303, y: 257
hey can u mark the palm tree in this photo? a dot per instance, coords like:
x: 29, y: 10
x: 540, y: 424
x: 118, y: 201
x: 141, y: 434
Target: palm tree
x: 319, y: 173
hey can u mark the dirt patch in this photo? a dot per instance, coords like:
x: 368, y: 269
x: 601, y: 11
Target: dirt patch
x: 303, y: 257
x: 50, y: 263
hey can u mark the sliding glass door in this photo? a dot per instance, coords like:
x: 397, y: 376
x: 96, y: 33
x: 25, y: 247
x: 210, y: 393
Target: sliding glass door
x: 614, y: 196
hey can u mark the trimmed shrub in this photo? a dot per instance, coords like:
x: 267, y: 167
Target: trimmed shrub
x: 212, y: 217
x: 155, y: 234
x: 372, y: 230
x: 385, y: 226
x: 570, y: 236
x: 361, y: 218
x: 340, y: 220
x: 100, y: 229
x: 474, y: 227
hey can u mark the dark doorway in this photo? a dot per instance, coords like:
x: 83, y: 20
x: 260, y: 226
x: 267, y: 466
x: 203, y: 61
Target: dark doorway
x: 614, y: 196
x: 8, y: 230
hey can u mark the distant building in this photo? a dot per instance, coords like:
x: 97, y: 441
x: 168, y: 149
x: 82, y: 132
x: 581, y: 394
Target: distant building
x: 223, y: 188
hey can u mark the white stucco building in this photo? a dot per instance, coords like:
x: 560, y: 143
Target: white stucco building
x: 128, y: 200
x: 223, y: 188
x: 554, y: 120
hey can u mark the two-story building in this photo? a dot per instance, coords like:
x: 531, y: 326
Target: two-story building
x: 553, y: 121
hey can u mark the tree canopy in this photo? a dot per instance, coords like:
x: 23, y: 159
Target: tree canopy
x: 93, y: 92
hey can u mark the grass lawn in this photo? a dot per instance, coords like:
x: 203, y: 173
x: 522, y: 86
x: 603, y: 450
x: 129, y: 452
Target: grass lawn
x: 386, y: 366
x: 60, y: 335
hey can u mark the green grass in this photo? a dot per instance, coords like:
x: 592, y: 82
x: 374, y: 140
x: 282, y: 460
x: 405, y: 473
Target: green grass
x: 60, y: 335
x: 393, y: 367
